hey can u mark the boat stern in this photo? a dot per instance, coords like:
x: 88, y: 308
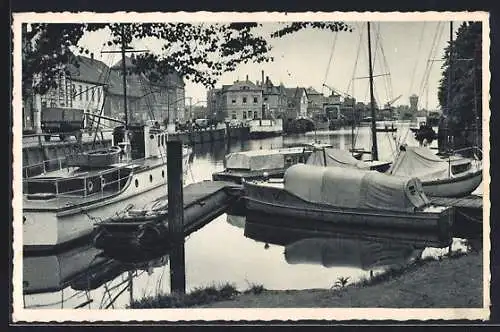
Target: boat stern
x: 445, y: 225
x: 40, y: 230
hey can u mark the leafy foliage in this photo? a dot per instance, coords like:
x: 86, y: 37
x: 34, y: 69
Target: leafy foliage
x: 466, y: 68
x: 198, y: 52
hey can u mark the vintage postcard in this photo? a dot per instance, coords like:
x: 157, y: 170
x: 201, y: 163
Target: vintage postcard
x: 250, y: 166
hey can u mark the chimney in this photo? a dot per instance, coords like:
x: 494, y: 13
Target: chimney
x: 267, y: 79
x: 92, y: 56
x: 262, y: 79
x: 247, y: 77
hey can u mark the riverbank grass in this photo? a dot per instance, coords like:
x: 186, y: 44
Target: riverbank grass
x: 199, y: 296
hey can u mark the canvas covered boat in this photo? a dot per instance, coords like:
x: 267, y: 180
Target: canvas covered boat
x: 453, y: 176
x: 258, y: 164
x: 329, y: 156
x: 359, y: 198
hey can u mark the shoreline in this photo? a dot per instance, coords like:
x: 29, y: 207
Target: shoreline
x: 454, y: 281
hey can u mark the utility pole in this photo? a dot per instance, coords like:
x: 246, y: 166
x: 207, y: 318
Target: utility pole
x: 372, y: 100
x: 124, y: 71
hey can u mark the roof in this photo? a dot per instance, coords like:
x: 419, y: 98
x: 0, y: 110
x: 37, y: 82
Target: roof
x: 171, y: 78
x: 238, y: 85
x: 88, y: 70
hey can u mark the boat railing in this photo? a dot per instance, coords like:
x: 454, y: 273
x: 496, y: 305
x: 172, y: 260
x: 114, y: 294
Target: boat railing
x: 45, y: 166
x: 85, y: 183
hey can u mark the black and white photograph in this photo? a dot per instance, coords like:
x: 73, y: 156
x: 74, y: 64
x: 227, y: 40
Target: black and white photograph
x: 250, y: 166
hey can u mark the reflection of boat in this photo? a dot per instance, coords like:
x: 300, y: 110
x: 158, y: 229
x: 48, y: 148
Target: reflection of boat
x: 350, y: 252
x: 138, y: 235
x: 61, y: 206
x: 55, y: 272
x: 356, y: 198
x: 453, y: 176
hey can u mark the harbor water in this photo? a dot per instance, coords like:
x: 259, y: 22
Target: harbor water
x: 219, y: 252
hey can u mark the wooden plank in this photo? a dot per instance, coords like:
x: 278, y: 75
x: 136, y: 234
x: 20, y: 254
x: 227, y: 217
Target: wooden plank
x: 473, y: 201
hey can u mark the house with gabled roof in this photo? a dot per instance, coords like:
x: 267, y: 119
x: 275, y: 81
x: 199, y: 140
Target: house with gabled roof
x: 296, y: 103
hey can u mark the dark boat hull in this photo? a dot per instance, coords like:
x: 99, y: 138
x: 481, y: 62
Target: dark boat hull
x: 277, y: 201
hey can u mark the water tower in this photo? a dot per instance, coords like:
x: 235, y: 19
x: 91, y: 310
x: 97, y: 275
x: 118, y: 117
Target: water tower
x: 413, y: 103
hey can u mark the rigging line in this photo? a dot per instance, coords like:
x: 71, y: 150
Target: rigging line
x: 434, y: 44
x: 332, y: 51
x: 431, y: 63
x: 419, y: 45
x: 381, y: 59
x: 357, y: 58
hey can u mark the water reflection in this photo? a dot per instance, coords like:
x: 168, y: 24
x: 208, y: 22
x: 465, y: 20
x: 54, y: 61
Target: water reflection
x: 228, y: 249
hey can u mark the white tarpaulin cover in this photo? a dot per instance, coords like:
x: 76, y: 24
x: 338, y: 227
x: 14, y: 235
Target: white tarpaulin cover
x: 335, y: 157
x: 354, y: 188
x: 259, y: 159
x: 421, y: 163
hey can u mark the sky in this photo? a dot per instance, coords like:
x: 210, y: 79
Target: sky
x: 312, y: 57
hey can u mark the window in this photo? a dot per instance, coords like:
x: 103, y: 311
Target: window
x: 265, y: 98
x: 92, y: 96
x: 73, y: 91
x: 255, y: 100
x: 234, y: 101
x: 244, y: 100
x: 99, y: 94
x: 244, y: 115
x: 87, y: 94
x: 80, y: 89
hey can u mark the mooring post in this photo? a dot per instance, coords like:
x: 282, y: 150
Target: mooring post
x: 176, y: 217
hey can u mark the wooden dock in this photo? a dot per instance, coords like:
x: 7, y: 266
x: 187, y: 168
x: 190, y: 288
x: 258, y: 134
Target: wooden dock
x: 139, y: 233
x: 470, y: 202
x: 468, y: 220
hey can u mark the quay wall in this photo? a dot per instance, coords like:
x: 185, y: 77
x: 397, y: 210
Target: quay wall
x: 211, y: 135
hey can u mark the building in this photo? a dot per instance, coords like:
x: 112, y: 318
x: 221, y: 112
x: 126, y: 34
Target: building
x: 80, y: 86
x: 316, y: 100
x: 239, y: 101
x: 414, y: 103
x: 296, y: 103
x: 274, y: 99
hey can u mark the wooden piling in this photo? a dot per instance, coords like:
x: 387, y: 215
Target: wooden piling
x: 176, y: 217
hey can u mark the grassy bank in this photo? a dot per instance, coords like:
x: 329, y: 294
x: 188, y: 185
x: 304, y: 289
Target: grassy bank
x: 452, y: 281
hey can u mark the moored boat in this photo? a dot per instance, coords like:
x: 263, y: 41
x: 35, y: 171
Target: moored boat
x: 452, y: 176
x: 360, y: 198
x: 61, y: 206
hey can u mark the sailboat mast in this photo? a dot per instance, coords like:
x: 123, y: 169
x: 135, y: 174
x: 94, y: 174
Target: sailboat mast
x: 448, y: 96
x: 372, y: 99
x: 124, y: 71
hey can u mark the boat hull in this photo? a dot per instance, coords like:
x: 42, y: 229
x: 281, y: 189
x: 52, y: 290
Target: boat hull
x: 454, y: 187
x: 278, y: 201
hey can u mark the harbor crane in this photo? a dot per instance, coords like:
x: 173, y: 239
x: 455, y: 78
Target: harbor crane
x: 345, y: 95
x: 389, y: 103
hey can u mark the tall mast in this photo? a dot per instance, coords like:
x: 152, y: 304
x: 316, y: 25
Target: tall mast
x: 448, y: 97
x: 124, y: 71
x: 372, y: 99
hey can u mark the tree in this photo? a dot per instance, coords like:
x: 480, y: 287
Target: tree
x: 198, y: 52
x: 464, y: 110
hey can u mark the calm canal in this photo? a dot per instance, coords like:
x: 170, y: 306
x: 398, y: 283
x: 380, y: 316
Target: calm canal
x: 219, y: 252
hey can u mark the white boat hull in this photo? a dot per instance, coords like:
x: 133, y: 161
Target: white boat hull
x: 46, y: 230
x: 453, y: 187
